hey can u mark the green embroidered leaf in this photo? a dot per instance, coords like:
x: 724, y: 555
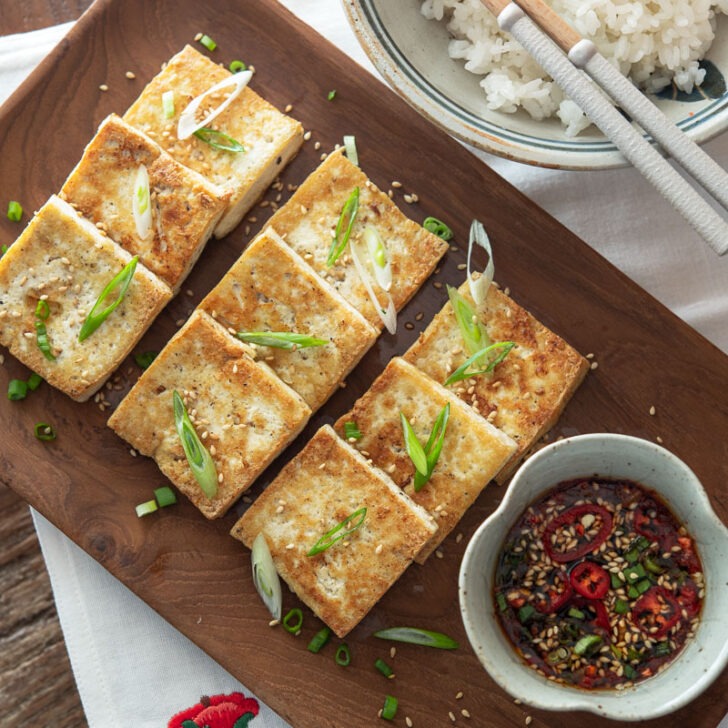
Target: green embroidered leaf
x: 243, y: 720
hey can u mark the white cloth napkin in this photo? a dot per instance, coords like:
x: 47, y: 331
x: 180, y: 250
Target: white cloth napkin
x: 128, y: 662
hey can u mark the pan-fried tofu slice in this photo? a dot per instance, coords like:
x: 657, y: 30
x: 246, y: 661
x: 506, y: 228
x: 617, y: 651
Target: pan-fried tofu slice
x: 473, y: 451
x: 529, y: 388
x: 241, y: 411
x: 308, y: 220
x: 270, y: 288
x: 323, y: 485
x: 269, y: 137
x: 185, y: 207
x: 64, y: 260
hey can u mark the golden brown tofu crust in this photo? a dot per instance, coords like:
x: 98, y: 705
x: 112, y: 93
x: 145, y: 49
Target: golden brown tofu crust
x: 270, y: 288
x: 473, y: 450
x: 306, y: 222
x: 249, y: 415
x: 320, y: 487
x: 63, y: 259
x: 528, y: 390
x: 185, y: 207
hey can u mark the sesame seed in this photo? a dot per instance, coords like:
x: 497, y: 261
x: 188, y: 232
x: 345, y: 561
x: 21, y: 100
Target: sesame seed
x: 379, y: 549
x: 465, y: 713
x: 652, y: 410
x: 130, y: 75
x: 103, y: 87
x: 290, y: 546
x: 322, y: 466
x: 528, y: 720
x: 462, y: 266
x: 392, y: 652
x: 317, y: 146
x: 409, y: 325
x: 279, y: 509
x: 451, y: 715
x: 459, y: 695
x: 220, y: 477
x: 408, y: 722
x: 439, y: 554
x: 274, y: 622
x: 594, y: 365
x: 437, y: 284
x: 307, y: 136
x: 288, y: 109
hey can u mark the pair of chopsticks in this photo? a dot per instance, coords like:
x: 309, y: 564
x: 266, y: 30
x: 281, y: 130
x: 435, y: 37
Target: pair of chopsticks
x: 544, y: 34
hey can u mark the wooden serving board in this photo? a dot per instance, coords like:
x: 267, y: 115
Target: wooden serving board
x: 190, y: 570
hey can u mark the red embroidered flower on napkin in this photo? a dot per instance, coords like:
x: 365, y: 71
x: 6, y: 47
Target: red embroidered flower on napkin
x: 217, y: 711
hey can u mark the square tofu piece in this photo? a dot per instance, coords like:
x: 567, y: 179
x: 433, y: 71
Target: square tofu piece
x: 270, y: 288
x: 529, y: 388
x: 473, y: 450
x: 270, y: 138
x: 249, y: 415
x: 63, y: 259
x: 185, y: 207
x: 323, y: 485
x: 307, y: 222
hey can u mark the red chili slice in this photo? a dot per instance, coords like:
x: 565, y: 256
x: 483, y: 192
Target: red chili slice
x: 656, y: 608
x: 571, y: 517
x: 590, y: 580
x: 555, y: 596
x: 688, y: 598
x: 601, y: 616
x: 687, y: 558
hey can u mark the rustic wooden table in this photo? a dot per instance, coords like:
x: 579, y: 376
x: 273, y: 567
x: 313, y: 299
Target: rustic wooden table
x: 36, y: 683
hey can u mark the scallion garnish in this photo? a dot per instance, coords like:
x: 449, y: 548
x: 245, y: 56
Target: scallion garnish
x: 165, y: 496
x: 319, y: 640
x: 343, y: 655
x: 42, y: 312
x: 352, y: 431
x: 462, y: 372
x: 141, y: 203
x: 96, y: 317
x: 388, y: 315
x: 293, y: 621
x: 15, y: 211
x: 417, y: 636
x: 34, y: 381
x: 44, y: 431
x: 425, y: 458
x: 265, y: 576
x: 378, y: 257
x: 200, y: 460
x: 479, y: 287
x: 168, y: 104
x: 189, y: 122
x: 144, y: 509
x: 208, y: 42
x: 237, y: 66
x: 588, y: 644
x: 280, y: 339
x: 344, y: 226
x: 3, y: 249
x: 389, y: 709
x: 475, y: 336
x: 145, y: 359
x: 17, y: 389
x: 437, y: 227
x: 219, y: 140
x: 331, y: 95
x: 350, y: 149
x: 383, y: 667
x: 339, y: 531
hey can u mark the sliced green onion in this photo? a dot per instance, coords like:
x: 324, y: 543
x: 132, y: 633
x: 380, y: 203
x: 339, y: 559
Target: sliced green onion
x: 378, y: 257
x: 44, y: 431
x: 629, y: 672
x: 662, y: 649
x: 525, y: 613
x: 642, y: 543
x: 331, y: 95
x: 293, y: 621
x: 471, y: 327
x: 42, y: 310
x: 339, y: 531
x: 437, y: 227
x: 462, y: 372
x: 615, y: 581
x: 3, y: 249
x: 144, y: 509
x: 344, y: 226
x: 588, y: 644
x: 576, y: 613
x: 479, y: 287
x: 417, y: 636
x: 237, y: 66
x: 388, y: 315
x: 621, y: 606
x: 145, y: 359
x: 425, y: 458
x: 41, y: 338
x: 319, y: 640
x: 643, y: 586
x: 389, y: 709
x: 413, y: 446
x: 557, y: 656
x: 17, y: 389
x: 96, y: 317
x: 384, y: 668
x: 208, y: 42
x: 634, y: 573
x: 189, y: 122
x: 15, y: 211
x: 165, y: 496
x: 351, y: 431
x: 200, y: 460
x: 141, y: 203
x: 34, y: 381
x: 343, y: 655
x: 652, y: 566
x: 280, y: 339
x: 350, y: 148
x: 168, y: 104
x: 219, y: 140
x: 265, y: 576
x: 501, y: 601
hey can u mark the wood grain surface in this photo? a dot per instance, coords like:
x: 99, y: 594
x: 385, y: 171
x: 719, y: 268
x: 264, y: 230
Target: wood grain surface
x: 189, y: 569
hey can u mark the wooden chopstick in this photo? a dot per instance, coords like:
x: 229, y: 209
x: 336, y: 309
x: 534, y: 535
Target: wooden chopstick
x: 645, y: 158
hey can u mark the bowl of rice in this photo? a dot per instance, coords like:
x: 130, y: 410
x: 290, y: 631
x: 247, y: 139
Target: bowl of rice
x: 451, y: 62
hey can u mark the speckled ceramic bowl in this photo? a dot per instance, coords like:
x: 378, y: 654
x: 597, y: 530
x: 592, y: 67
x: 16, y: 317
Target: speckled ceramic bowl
x: 411, y: 53
x: 613, y: 456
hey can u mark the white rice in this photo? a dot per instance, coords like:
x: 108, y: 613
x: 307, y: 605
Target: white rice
x: 654, y: 42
